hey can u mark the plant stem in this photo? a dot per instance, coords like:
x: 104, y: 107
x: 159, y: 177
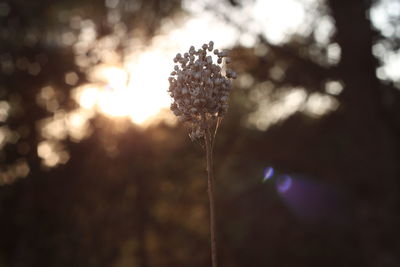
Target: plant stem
x: 211, y: 195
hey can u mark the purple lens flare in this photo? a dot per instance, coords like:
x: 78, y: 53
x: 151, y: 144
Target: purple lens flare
x: 284, y: 183
x: 268, y: 173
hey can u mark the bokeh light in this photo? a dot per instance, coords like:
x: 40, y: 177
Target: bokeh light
x: 136, y: 87
x: 83, y: 87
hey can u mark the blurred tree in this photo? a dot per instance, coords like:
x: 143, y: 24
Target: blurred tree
x: 43, y: 221
x: 136, y: 197
x: 41, y: 44
x: 355, y: 147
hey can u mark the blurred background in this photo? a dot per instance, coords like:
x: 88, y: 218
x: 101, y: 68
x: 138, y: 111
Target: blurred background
x: 95, y: 171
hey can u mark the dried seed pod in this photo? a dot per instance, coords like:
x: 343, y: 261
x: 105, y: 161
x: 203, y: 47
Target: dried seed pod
x: 199, y: 89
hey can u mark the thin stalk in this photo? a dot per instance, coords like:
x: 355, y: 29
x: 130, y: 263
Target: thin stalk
x: 211, y: 195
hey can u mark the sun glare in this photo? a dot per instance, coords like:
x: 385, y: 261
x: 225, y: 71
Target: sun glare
x: 136, y: 90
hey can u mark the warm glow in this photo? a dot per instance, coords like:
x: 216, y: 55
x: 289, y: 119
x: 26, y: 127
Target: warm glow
x: 138, y: 90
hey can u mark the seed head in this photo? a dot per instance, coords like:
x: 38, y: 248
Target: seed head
x: 199, y: 89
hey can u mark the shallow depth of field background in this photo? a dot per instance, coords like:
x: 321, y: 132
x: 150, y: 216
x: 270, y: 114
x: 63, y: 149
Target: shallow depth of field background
x: 95, y: 170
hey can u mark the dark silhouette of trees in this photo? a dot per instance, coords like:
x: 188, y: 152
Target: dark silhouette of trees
x: 130, y: 196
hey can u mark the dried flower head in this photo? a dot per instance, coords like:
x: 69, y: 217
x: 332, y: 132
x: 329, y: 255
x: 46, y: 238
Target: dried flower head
x: 199, y: 87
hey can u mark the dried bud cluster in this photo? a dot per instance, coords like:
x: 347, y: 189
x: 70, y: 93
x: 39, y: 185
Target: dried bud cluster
x: 199, y: 90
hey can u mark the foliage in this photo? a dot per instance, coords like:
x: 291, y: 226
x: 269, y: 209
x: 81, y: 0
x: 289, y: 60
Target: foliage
x: 136, y: 197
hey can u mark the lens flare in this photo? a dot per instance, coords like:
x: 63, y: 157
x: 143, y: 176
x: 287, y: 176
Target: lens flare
x: 312, y: 201
x: 284, y: 183
x: 268, y: 173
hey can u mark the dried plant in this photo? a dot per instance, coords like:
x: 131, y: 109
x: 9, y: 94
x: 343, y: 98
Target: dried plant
x: 200, y: 90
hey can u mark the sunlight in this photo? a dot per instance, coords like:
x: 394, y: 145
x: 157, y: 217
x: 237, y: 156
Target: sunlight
x: 137, y: 90
x: 148, y: 85
x: 137, y: 87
